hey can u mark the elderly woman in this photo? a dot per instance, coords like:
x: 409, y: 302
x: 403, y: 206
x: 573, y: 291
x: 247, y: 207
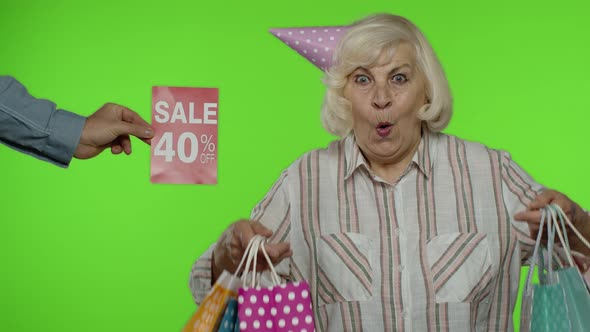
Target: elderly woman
x: 396, y: 226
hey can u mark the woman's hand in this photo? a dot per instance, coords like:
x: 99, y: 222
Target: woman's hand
x: 578, y: 217
x: 233, y: 242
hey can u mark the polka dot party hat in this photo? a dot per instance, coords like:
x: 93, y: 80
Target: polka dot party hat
x: 316, y: 44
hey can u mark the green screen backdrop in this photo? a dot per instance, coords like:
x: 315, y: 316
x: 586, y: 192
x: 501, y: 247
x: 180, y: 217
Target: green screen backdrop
x: 97, y: 247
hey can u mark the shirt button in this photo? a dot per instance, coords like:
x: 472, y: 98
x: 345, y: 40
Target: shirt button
x: 402, y: 267
x: 396, y: 232
x: 404, y: 314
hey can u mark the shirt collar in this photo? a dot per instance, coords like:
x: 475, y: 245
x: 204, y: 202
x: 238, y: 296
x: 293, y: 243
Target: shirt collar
x: 423, y: 158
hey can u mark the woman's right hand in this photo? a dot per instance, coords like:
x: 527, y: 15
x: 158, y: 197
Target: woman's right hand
x: 233, y: 242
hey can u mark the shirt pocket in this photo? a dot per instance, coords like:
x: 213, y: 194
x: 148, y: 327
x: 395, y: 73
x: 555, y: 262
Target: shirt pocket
x: 460, y: 266
x: 345, y: 269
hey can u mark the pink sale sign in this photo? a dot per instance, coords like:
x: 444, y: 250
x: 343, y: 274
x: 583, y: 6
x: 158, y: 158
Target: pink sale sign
x: 184, y: 147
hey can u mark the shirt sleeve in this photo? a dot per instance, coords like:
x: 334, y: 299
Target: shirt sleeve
x: 518, y: 189
x: 272, y: 212
x: 35, y: 127
x: 200, y: 278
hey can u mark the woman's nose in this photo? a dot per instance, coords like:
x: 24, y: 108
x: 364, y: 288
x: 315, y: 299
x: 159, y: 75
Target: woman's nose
x: 381, y: 98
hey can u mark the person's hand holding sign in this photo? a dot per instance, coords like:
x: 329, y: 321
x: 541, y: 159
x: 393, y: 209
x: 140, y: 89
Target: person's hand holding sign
x: 111, y: 126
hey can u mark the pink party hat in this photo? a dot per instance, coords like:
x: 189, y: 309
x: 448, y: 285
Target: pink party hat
x: 316, y: 44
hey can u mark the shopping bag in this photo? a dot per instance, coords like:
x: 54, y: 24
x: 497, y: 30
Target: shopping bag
x: 576, y: 293
x: 230, y: 317
x: 560, y: 302
x: 209, y: 314
x: 577, y: 297
x: 280, y: 307
x: 215, y: 310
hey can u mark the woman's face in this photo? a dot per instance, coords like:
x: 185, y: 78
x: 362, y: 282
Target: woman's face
x: 385, y: 101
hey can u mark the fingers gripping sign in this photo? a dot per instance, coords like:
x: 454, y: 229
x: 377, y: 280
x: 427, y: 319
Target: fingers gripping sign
x: 111, y: 126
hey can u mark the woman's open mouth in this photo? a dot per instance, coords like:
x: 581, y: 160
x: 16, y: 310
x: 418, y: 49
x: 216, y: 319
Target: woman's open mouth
x: 384, y: 128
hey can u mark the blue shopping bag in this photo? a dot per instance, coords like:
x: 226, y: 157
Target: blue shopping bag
x: 229, y: 322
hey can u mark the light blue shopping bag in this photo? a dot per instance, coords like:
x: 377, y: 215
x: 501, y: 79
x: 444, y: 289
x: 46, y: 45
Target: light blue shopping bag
x: 561, y: 301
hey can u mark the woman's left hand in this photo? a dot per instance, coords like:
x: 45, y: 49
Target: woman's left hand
x: 578, y: 217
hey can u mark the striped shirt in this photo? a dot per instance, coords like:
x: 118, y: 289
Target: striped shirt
x: 438, y: 250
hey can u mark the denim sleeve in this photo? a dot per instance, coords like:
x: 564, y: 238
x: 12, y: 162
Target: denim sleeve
x: 35, y: 127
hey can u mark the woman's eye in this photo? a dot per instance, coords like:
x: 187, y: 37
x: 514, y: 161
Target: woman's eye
x: 399, y: 78
x: 362, y: 79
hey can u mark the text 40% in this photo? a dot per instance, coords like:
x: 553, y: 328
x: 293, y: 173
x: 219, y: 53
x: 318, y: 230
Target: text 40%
x: 187, y: 142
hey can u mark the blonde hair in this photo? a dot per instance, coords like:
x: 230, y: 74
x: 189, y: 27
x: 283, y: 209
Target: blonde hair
x: 361, y: 46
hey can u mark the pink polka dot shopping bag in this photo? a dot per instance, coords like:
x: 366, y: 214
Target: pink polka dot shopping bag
x: 280, y: 307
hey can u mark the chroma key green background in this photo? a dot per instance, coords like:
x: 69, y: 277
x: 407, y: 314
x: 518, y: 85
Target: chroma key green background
x: 97, y: 247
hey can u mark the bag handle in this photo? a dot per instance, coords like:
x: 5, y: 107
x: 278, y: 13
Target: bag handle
x: 546, y: 275
x: 555, y: 214
x: 571, y: 225
x: 273, y: 272
x: 528, y: 289
x: 563, y: 226
x: 526, y: 305
x: 248, y: 247
x: 251, y: 257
